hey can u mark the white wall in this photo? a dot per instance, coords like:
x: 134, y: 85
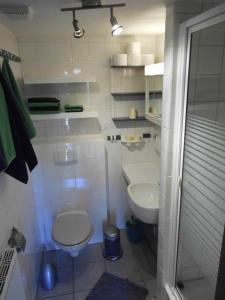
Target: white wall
x: 118, y: 155
x: 17, y: 206
x: 159, y: 48
x: 45, y: 56
x: 60, y: 56
x: 52, y: 193
x: 64, y: 187
x: 51, y: 57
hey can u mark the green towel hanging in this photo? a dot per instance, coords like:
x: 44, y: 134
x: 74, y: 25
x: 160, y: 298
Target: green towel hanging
x: 6, y: 140
x: 20, y: 104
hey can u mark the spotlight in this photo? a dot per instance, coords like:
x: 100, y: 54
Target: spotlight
x: 78, y: 33
x: 95, y: 4
x: 116, y: 28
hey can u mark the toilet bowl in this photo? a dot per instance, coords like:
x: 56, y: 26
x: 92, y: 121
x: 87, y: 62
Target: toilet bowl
x: 72, y: 231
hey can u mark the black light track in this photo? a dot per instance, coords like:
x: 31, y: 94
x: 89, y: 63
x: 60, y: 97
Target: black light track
x: 93, y: 7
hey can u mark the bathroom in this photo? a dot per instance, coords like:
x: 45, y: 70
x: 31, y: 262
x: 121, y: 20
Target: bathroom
x: 141, y: 113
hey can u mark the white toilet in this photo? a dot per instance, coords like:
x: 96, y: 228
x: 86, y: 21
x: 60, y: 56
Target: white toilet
x: 72, y: 231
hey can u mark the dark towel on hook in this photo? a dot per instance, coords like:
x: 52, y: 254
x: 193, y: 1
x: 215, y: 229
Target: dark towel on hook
x: 24, y: 150
x: 18, y: 101
x: 2, y: 161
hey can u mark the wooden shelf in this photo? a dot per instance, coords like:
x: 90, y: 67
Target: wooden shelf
x: 128, y: 67
x: 64, y: 115
x: 119, y: 119
x: 152, y: 118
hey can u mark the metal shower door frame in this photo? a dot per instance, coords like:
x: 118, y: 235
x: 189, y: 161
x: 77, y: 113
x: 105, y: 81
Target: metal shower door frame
x: 212, y: 17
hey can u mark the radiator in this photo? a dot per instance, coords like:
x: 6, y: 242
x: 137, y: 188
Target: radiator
x: 11, y: 284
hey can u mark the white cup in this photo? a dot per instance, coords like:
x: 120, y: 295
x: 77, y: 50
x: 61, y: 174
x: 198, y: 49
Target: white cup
x: 132, y: 113
x: 154, y: 110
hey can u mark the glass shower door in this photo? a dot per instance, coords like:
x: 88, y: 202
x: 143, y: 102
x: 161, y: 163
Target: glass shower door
x: 202, y: 211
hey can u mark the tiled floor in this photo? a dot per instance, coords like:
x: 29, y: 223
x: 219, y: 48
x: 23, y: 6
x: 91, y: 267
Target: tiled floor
x: 76, y: 277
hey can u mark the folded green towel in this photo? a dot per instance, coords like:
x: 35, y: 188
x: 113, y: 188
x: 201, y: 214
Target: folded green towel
x: 19, y: 102
x: 74, y: 110
x: 42, y: 100
x: 44, y: 104
x: 68, y: 106
x: 45, y: 109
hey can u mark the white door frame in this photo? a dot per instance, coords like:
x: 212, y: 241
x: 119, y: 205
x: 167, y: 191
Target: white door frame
x: 204, y: 20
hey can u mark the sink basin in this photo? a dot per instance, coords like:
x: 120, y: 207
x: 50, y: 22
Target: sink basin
x: 144, y: 201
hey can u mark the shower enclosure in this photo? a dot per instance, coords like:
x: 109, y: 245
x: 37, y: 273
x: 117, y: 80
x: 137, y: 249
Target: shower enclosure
x: 199, y: 262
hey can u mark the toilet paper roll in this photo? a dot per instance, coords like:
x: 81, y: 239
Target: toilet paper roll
x: 148, y: 59
x: 134, y: 48
x: 119, y: 60
x: 134, y: 60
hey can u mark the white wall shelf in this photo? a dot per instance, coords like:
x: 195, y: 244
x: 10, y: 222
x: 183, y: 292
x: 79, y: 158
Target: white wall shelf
x: 142, y: 94
x: 154, y: 119
x: 119, y: 119
x: 64, y: 115
x: 128, y: 67
x: 57, y: 80
x: 152, y: 93
x: 127, y: 88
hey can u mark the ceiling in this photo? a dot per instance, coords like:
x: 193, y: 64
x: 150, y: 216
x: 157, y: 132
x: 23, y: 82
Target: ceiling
x: 138, y: 17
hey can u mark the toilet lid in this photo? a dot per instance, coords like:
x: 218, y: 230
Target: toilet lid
x: 71, y: 229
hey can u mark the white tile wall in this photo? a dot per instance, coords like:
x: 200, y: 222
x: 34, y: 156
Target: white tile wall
x: 119, y: 154
x: 60, y: 56
x: 77, y: 187
x: 17, y: 205
x: 89, y: 56
x: 66, y: 187
x: 63, y: 128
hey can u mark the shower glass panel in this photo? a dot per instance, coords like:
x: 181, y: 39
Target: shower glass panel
x: 202, y: 211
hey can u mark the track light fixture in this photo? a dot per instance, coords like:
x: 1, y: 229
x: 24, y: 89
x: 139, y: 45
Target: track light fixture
x: 116, y: 28
x: 78, y: 33
x: 92, y: 4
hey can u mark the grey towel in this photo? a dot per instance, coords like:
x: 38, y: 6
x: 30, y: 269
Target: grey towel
x: 111, y: 287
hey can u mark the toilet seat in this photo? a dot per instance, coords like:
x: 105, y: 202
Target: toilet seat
x: 71, y: 228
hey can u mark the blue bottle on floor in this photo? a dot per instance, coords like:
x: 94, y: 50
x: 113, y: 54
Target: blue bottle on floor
x: 134, y: 230
x: 48, y: 277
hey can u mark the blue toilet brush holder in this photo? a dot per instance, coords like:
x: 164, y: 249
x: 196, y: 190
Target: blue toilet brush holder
x: 49, y: 275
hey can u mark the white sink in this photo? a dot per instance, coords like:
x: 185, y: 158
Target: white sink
x: 144, y: 201
x: 141, y: 172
